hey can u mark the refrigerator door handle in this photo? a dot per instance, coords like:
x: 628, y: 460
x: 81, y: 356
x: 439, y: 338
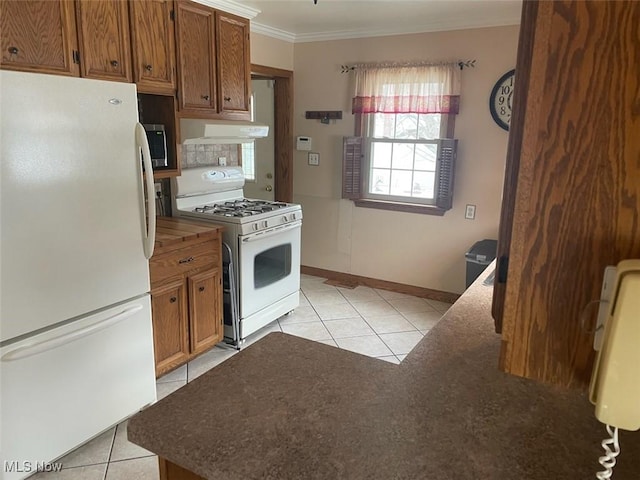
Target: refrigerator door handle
x: 50, y: 344
x: 150, y: 207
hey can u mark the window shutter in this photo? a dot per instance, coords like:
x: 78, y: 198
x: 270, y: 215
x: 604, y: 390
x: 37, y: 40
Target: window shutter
x: 445, y: 170
x: 352, y: 167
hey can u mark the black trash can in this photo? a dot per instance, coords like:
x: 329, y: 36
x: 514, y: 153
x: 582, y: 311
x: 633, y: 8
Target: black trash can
x: 480, y: 255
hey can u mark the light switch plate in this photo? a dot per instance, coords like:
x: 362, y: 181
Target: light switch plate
x: 314, y: 158
x: 470, y: 212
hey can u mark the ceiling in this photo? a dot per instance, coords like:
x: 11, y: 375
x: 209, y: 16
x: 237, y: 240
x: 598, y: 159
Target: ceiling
x: 301, y: 20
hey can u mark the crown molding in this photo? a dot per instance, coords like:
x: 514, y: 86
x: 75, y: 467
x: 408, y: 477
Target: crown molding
x: 232, y: 7
x: 273, y: 32
x: 352, y: 34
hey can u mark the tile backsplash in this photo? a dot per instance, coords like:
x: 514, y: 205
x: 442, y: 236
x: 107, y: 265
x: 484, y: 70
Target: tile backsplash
x: 201, y: 155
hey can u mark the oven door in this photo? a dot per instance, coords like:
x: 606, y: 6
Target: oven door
x: 269, y: 267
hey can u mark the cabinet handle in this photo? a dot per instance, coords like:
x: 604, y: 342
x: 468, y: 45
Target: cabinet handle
x: 148, y: 68
x: 227, y: 99
x: 173, y: 299
x: 114, y: 63
x: 13, y: 50
x: 205, y: 97
x: 201, y: 289
x: 186, y: 260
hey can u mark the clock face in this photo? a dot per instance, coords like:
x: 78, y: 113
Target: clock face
x: 501, y: 98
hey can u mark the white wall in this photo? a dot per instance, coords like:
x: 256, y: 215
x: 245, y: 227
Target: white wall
x: 413, y: 249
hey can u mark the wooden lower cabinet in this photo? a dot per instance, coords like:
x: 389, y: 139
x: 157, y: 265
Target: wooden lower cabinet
x: 171, y: 471
x: 170, y: 325
x: 204, y: 306
x: 186, y: 298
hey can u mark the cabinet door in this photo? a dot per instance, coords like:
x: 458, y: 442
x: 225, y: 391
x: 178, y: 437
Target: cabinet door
x: 103, y: 34
x: 39, y: 36
x: 195, y: 38
x: 205, y: 310
x: 234, y: 68
x: 152, y: 37
x: 170, y: 325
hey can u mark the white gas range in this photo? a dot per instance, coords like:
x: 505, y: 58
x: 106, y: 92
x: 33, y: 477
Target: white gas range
x: 263, y: 237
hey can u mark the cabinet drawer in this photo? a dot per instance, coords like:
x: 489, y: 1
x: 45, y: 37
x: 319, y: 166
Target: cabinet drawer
x: 181, y: 261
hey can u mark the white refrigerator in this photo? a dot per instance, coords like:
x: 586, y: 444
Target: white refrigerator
x: 76, y: 345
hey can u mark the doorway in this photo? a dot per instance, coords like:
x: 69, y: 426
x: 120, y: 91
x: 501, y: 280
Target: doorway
x: 278, y: 84
x: 258, y: 158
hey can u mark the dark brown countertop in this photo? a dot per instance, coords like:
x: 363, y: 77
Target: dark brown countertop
x: 290, y: 408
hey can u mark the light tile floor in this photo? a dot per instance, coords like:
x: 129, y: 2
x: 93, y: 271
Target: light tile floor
x: 377, y: 323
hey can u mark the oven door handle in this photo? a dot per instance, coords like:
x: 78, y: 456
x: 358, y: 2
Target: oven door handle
x: 268, y: 233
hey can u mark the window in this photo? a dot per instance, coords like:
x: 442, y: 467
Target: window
x: 249, y: 161
x: 248, y: 151
x: 404, y: 160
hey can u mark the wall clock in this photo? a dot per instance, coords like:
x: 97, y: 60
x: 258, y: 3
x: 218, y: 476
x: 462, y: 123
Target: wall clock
x: 500, y: 99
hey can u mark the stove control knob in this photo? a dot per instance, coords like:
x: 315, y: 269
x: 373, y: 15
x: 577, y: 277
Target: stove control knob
x: 285, y: 218
x: 265, y: 224
x: 293, y: 216
x: 255, y: 227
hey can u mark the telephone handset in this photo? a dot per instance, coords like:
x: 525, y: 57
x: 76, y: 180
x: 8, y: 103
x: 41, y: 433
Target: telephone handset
x: 615, y: 381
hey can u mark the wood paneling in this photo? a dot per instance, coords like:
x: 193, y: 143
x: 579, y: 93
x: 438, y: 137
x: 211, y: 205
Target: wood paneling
x: 578, y: 192
x: 42, y: 35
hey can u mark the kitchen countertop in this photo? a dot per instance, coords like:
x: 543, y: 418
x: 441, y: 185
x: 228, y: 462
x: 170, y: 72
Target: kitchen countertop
x: 290, y: 408
x: 172, y: 232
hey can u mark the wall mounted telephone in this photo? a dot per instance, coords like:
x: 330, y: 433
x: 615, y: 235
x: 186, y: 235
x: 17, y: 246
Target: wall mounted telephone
x: 615, y: 382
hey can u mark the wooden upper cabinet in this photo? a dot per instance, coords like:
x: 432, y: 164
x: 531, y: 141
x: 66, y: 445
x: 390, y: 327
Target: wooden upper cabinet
x: 103, y: 35
x: 195, y: 37
x: 153, y: 47
x: 574, y: 193
x: 39, y: 36
x: 234, y: 66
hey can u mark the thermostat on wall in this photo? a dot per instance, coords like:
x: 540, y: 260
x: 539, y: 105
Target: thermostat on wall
x: 303, y: 143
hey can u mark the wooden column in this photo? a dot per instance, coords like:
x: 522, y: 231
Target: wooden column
x: 576, y: 202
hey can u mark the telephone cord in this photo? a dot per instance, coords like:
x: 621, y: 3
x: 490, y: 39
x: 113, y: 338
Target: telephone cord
x: 608, y: 460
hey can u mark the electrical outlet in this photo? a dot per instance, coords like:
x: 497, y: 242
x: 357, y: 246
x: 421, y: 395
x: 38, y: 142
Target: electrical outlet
x: 158, y: 188
x: 222, y: 161
x: 314, y: 158
x: 470, y: 212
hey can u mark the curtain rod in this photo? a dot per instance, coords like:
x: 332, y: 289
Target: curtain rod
x: 364, y: 66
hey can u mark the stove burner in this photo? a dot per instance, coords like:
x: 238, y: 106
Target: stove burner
x: 240, y: 208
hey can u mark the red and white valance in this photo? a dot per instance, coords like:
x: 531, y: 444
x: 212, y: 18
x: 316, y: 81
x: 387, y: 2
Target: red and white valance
x: 413, y: 89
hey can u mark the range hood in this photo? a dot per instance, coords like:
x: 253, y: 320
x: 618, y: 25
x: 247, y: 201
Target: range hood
x: 199, y: 131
